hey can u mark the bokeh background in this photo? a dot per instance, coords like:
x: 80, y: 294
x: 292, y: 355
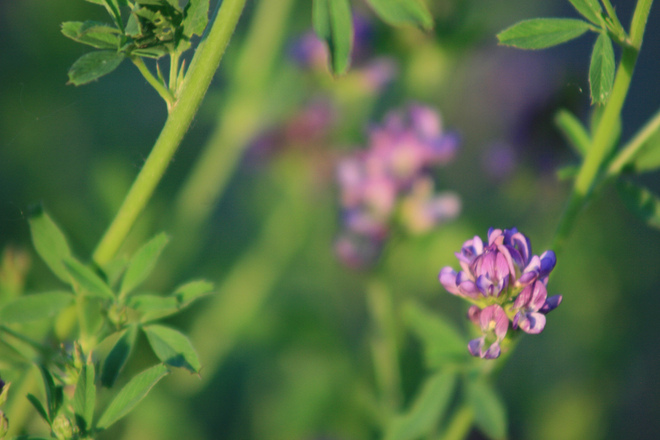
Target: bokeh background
x: 284, y: 341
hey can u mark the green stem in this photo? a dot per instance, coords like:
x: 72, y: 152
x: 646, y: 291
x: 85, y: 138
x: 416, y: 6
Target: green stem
x: 460, y: 424
x: 634, y: 147
x: 384, y: 346
x: 599, y: 150
x: 174, y: 72
x: 163, y: 91
x: 202, y: 68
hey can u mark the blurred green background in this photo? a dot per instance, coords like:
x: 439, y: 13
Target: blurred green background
x: 284, y: 341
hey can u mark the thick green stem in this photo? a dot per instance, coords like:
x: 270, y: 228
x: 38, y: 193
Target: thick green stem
x: 203, y: 66
x: 599, y: 150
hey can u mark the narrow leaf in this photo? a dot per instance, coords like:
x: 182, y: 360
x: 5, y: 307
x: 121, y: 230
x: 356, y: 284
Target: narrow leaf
x: 87, y: 280
x: 443, y: 344
x: 641, y: 202
x: 427, y: 410
x: 539, y: 33
x: 195, y: 17
x: 333, y: 24
x: 489, y: 411
x: 403, y: 12
x: 590, y: 9
x: 187, y: 293
x: 39, y: 407
x: 573, y: 131
x: 155, y: 307
x: 84, y: 398
x: 601, y: 70
x: 54, y: 393
x: 95, y: 34
x: 172, y: 347
x: 118, y: 356
x: 143, y: 263
x: 34, y: 307
x: 132, y: 394
x: 567, y: 172
x: 49, y: 242
x: 94, y: 65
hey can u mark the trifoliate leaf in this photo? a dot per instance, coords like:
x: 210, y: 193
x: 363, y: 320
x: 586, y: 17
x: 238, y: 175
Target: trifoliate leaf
x: 94, y: 65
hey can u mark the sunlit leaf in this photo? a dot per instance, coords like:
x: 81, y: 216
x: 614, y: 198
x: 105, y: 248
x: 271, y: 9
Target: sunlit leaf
x: 33, y: 307
x: 132, y: 394
x: 427, y: 410
x: 95, y: 34
x: 142, y: 263
x: 641, y: 202
x: 574, y: 132
x: 403, y: 12
x: 87, y: 280
x: 94, y: 65
x: 195, y: 17
x: 590, y: 9
x: 39, y: 407
x: 155, y: 307
x: 539, y: 33
x: 601, y: 69
x: 443, y: 344
x: 489, y: 411
x: 172, y: 347
x: 84, y: 397
x: 118, y: 356
x: 333, y: 24
x: 50, y: 242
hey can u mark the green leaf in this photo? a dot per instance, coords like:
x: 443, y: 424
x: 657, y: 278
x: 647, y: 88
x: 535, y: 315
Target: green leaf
x: 154, y: 307
x: 648, y: 158
x: 142, y: 263
x: 334, y: 25
x: 568, y: 172
x: 427, y: 410
x: 539, y: 33
x: 590, y: 9
x: 49, y: 242
x: 641, y: 202
x: 39, y: 407
x: 172, y: 347
x: 84, y: 398
x: 94, y: 65
x: 187, y: 293
x: 573, y: 131
x: 34, y: 307
x: 54, y: 393
x: 118, y: 356
x: 87, y: 280
x: 132, y: 394
x: 403, y: 12
x: 195, y: 17
x: 443, y: 344
x: 601, y: 70
x: 92, y: 33
x: 489, y: 411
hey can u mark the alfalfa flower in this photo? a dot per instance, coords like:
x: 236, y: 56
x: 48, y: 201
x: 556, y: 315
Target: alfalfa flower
x: 502, y: 278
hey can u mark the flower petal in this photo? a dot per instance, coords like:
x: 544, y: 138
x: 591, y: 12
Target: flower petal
x: 533, y: 323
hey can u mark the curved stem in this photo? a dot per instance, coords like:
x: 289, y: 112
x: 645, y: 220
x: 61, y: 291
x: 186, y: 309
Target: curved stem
x: 203, y: 66
x: 163, y: 91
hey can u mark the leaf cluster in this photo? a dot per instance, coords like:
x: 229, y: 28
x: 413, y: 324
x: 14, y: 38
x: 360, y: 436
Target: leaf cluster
x: 144, y: 28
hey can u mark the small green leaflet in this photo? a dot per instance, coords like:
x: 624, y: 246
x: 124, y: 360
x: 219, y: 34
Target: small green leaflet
x: 142, y: 263
x: 28, y: 308
x: 92, y: 33
x: 427, y: 410
x: 403, y: 12
x: 36, y: 403
x: 94, y: 65
x: 590, y: 9
x: 118, y: 356
x: 54, y: 393
x: 172, y: 347
x: 132, y: 394
x: 333, y: 24
x: 573, y: 131
x: 489, y: 411
x: 84, y: 398
x: 195, y: 17
x: 642, y: 202
x: 87, y: 280
x: 539, y: 33
x: 601, y: 70
x: 648, y: 157
x: 50, y: 242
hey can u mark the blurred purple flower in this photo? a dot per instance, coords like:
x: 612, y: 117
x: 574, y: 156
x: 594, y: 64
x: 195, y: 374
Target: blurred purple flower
x: 502, y: 273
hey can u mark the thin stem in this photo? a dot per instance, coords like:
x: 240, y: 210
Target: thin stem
x: 599, y: 150
x: 460, y: 424
x: 174, y: 72
x: 634, y: 146
x: 384, y: 346
x: 163, y: 91
x: 202, y: 68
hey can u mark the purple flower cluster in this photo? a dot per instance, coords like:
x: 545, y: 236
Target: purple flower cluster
x: 504, y: 282
x: 389, y: 181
